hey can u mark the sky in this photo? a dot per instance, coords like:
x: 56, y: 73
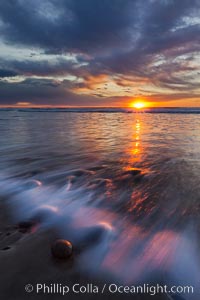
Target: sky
x: 99, y: 52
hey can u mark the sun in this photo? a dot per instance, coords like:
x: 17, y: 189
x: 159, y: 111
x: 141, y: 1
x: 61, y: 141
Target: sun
x: 138, y: 104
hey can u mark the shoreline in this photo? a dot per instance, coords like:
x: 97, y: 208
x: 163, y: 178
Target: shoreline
x: 29, y: 261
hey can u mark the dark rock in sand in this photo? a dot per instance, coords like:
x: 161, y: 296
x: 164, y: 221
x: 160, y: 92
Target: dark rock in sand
x: 94, y: 234
x: 42, y: 214
x: 26, y: 226
x: 137, y: 175
x: 97, y: 168
x: 90, y: 236
x: 38, y: 216
x: 61, y: 249
x: 81, y: 172
x: 134, y: 172
x: 6, y: 248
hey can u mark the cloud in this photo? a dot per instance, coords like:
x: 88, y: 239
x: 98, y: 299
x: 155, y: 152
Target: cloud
x: 152, y: 43
x: 44, y: 92
x: 60, y: 26
x: 43, y: 68
x: 7, y: 73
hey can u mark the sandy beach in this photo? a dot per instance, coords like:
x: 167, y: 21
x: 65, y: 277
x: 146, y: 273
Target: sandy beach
x: 125, y: 200
x: 25, y: 258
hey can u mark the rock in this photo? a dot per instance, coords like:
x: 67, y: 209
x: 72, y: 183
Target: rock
x: 94, y: 235
x: 81, y: 172
x: 90, y: 236
x: 61, y: 249
x: 38, y: 216
x: 43, y: 214
x: 98, y: 168
x: 134, y: 172
x: 25, y: 226
x: 6, y: 248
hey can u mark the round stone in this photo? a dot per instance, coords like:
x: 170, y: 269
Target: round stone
x: 61, y: 249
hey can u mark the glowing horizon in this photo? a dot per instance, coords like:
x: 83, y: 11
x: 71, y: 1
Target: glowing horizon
x: 62, y: 63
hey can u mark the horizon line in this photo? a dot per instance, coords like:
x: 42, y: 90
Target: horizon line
x: 93, y: 107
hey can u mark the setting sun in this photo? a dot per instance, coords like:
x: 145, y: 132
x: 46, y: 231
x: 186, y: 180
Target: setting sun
x: 138, y: 104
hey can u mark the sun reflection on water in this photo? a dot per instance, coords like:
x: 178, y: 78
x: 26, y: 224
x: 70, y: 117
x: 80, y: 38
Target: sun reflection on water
x: 134, y: 151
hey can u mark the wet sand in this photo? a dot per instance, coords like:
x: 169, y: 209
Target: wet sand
x: 25, y: 258
x: 133, y: 180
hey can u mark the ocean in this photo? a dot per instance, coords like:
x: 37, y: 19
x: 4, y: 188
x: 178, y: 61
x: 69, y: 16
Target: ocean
x: 122, y: 185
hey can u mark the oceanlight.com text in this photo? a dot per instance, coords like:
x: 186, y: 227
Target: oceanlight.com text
x: 62, y: 289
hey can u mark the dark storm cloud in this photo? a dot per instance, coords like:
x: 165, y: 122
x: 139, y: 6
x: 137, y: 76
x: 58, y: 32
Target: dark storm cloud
x: 48, y: 92
x: 7, y: 73
x: 41, y: 68
x: 27, y: 90
x: 59, y: 26
x: 42, y: 91
x: 119, y: 37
